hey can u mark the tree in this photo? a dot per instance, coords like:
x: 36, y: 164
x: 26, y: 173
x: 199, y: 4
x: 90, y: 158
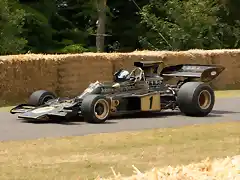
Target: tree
x: 11, y: 23
x: 182, y: 25
x: 75, y: 26
x: 59, y: 26
x: 124, y: 25
x: 37, y: 29
x: 101, y: 8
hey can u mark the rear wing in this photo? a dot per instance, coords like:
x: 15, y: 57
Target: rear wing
x: 205, y: 73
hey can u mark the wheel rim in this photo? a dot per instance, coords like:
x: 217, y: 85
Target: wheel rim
x: 101, y: 109
x: 47, y: 98
x: 204, y: 99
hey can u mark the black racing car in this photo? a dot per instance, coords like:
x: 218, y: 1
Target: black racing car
x: 143, y: 90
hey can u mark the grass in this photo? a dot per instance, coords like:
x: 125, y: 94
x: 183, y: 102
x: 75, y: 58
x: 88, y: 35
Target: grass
x: 6, y: 109
x: 227, y: 93
x: 93, y: 155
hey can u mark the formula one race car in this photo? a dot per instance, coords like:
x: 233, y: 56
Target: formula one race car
x: 142, y: 90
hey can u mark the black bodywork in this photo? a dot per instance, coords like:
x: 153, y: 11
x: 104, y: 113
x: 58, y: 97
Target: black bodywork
x: 133, y: 93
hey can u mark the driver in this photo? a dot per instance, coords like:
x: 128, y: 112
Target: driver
x: 121, y: 75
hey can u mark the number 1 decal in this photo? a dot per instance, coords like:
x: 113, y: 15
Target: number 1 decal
x: 151, y: 101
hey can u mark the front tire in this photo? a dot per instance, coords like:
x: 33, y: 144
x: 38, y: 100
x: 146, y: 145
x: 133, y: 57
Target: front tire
x: 95, y: 109
x: 195, y: 99
x: 40, y: 97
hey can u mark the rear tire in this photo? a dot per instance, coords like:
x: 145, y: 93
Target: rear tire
x: 40, y: 97
x: 195, y: 99
x: 95, y: 109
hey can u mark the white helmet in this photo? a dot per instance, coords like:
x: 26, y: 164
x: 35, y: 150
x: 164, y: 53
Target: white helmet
x: 121, y: 75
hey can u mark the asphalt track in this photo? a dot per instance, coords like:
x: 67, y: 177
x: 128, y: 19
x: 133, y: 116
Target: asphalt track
x: 11, y: 128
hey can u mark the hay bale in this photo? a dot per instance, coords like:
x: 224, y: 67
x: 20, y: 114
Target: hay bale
x: 76, y: 72
x: 230, y: 77
x: 70, y: 74
x: 220, y: 169
x: 21, y: 75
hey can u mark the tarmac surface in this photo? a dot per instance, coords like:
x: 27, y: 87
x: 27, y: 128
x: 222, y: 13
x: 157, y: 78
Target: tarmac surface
x: 12, y: 128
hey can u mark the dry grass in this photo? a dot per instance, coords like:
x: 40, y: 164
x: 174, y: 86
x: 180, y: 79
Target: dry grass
x: 93, y: 155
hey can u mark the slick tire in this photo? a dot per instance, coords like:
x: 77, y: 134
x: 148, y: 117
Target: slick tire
x: 40, y: 97
x: 195, y: 99
x: 95, y: 109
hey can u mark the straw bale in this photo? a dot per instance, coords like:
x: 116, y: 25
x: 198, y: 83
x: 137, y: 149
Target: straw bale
x: 20, y: 76
x: 216, y: 169
x: 69, y: 74
x: 75, y: 73
x: 230, y: 78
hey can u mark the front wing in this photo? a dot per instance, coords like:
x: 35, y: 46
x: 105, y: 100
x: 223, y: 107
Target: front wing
x: 42, y: 113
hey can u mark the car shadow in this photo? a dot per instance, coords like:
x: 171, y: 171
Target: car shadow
x: 114, y: 119
x: 62, y: 122
x: 146, y: 115
x: 222, y: 112
x: 73, y: 121
x: 163, y: 114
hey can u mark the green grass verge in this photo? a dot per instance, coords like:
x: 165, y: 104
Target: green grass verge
x: 93, y: 155
x: 6, y: 109
x: 227, y: 93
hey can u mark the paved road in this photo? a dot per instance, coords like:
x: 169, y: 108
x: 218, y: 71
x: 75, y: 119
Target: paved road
x: 13, y: 129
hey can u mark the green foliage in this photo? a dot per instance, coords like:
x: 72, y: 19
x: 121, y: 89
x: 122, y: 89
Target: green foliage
x: 182, y: 25
x: 69, y: 26
x: 75, y: 48
x: 53, y: 25
x: 11, y: 23
x: 37, y: 29
x: 124, y: 25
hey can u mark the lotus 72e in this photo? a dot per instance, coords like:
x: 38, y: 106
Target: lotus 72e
x: 144, y: 89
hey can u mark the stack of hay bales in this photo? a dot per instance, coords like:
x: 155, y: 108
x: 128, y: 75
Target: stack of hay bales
x: 22, y: 74
x: 70, y: 74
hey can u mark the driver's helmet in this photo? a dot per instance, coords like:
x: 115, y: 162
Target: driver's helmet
x: 121, y: 75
